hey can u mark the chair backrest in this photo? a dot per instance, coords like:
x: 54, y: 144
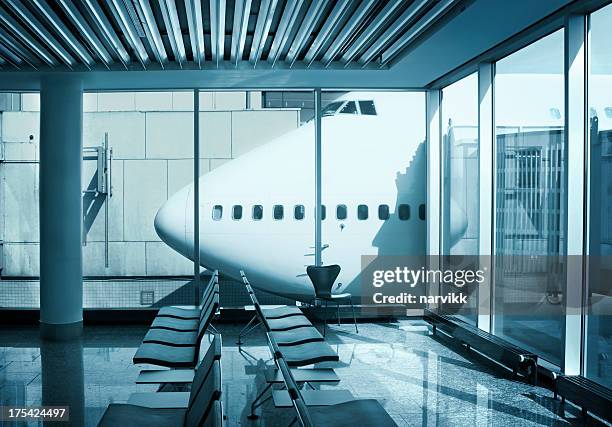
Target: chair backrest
x: 214, y: 418
x: 211, y: 286
x: 323, y: 278
x: 207, y: 314
x: 213, y: 353
x: 205, y: 397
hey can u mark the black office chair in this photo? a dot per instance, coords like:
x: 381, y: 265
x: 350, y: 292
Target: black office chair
x: 323, y: 278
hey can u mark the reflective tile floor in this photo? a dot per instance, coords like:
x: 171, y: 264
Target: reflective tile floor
x: 420, y: 380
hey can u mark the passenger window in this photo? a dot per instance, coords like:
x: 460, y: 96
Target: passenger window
x: 278, y: 212
x: 298, y: 212
x: 422, y: 212
x: 217, y: 212
x: 341, y: 212
x: 403, y: 211
x: 237, y: 212
x: 362, y: 212
x: 383, y: 212
x: 257, y: 212
x: 349, y: 108
x: 367, y: 108
x: 323, y: 212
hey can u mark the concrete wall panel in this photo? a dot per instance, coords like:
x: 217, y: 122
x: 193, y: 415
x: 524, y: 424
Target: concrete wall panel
x: 19, y: 126
x: 116, y: 101
x: 215, y: 163
x: 20, y: 200
x: 216, y: 134
x: 251, y: 129
x: 169, y: 135
x: 93, y: 207
x: 146, y: 187
x: 126, y: 133
x: 30, y: 102
x: 21, y: 259
x: 230, y: 100
x: 124, y: 259
x: 182, y: 101
x: 163, y: 261
x: 153, y: 101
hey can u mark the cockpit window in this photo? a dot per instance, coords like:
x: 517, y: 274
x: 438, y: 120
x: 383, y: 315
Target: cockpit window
x: 331, y: 109
x: 367, y: 108
x: 217, y: 212
x: 349, y: 108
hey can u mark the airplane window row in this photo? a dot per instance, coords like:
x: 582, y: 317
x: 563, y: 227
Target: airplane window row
x: 299, y: 212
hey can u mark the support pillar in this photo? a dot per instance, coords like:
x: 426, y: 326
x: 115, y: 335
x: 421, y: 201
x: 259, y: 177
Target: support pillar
x: 61, y: 263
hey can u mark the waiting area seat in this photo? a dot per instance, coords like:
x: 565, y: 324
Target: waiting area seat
x: 494, y: 347
x: 202, y: 406
x: 587, y: 394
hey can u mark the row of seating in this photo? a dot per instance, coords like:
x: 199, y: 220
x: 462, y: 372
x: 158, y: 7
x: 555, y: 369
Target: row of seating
x: 294, y: 343
x: 177, y: 338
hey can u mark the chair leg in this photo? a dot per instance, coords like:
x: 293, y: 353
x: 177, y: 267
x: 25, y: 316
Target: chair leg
x: 325, y: 319
x: 354, y: 318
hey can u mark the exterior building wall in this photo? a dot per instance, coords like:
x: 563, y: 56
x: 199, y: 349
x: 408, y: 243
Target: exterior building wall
x: 151, y: 135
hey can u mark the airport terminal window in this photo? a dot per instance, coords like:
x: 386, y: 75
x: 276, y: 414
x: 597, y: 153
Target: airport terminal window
x: 331, y: 108
x: 298, y: 212
x: 530, y: 189
x: 367, y: 108
x: 237, y: 212
x: 257, y: 212
x: 403, y: 212
x: 383, y: 212
x: 341, y: 212
x: 278, y: 211
x: 217, y: 212
x: 349, y: 108
x: 422, y: 212
x: 362, y: 212
x: 598, y: 335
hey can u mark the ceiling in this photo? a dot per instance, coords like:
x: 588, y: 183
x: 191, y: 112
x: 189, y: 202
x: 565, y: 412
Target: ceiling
x: 204, y: 34
x: 254, y: 44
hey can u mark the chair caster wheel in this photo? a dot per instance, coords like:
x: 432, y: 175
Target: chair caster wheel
x: 252, y: 416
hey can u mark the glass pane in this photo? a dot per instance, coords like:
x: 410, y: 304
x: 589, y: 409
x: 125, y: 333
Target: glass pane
x: 217, y: 212
x: 341, y: 212
x: 383, y: 212
x: 349, y: 108
x: 257, y: 212
x: 362, y: 212
x: 237, y: 212
x: 367, y: 108
x: 403, y: 212
x: 599, y: 298
x: 298, y: 212
x: 529, y: 209
x: 278, y: 211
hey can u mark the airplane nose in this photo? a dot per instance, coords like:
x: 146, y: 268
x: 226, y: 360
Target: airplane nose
x: 170, y: 221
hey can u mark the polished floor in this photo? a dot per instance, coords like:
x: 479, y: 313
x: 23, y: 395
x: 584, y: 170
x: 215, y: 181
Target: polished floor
x: 420, y: 380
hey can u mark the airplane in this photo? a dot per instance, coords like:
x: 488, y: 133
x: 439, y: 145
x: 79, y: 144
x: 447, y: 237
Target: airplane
x: 257, y: 211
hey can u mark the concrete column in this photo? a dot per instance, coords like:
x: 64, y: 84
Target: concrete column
x: 61, y: 264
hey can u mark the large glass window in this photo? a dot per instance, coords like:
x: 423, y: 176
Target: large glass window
x: 460, y: 185
x: 530, y: 213
x: 599, y: 273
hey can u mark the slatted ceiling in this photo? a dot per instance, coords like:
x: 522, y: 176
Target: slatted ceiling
x: 171, y: 34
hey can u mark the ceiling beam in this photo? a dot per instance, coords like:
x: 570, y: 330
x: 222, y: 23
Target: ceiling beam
x: 104, y: 25
x: 312, y: 16
x: 394, y: 29
x: 11, y: 24
x: 381, y: 19
x: 242, y: 11
x: 173, y: 28
x: 264, y: 21
x: 330, y: 23
x: 122, y: 17
x: 86, y: 31
x: 435, y: 13
x: 348, y: 29
x: 18, y: 49
x: 196, y: 30
x: 39, y: 29
x: 147, y: 20
x: 288, y: 18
